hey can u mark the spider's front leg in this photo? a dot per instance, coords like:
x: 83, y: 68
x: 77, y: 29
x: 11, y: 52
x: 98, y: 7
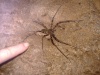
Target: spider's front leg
x: 40, y: 23
x: 31, y: 34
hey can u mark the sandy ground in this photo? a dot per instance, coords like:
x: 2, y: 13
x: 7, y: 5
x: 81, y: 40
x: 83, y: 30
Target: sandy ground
x: 17, y: 22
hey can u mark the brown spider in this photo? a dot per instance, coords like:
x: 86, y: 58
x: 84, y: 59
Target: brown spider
x: 50, y: 32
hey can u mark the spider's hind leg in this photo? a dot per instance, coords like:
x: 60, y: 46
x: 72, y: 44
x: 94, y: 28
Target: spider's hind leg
x: 59, y: 49
x: 64, y: 42
x: 60, y: 40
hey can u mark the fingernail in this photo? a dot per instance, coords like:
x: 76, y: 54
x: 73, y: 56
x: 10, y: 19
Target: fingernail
x: 26, y: 44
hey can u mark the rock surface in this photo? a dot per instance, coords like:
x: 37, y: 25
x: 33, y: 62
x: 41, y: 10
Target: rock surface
x: 17, y: 22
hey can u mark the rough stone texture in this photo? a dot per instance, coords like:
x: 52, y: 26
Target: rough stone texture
x: 16, y: 22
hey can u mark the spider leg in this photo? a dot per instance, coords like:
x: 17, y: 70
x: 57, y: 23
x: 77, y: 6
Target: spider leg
x: 66, y: 22
x: 59, y: 49
x: 40, y: 23
x: 42, y: 40
x: 63, y: 42
x: 60, y: 40
x: 54, y: 16
x: 28, y: 36
x: 33, y: 32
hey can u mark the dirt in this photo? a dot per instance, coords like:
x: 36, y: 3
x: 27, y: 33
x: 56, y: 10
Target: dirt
x: 17, y: 22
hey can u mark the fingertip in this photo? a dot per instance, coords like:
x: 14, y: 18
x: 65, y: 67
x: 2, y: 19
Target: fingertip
x: 26, y: 44
x: 10, y: 52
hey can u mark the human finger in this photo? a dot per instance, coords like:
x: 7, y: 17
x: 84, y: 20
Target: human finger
x: 10, y: 52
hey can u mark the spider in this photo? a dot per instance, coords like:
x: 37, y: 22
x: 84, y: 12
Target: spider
x: 50, y: 32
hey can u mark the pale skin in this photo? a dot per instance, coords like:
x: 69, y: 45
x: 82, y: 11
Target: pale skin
x: 11, y: 52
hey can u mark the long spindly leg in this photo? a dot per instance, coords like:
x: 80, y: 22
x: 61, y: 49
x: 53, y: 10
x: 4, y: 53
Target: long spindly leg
x: 40, y: 23
x: 28, y: 36
x: 58, y: 48
x: 33, y: 32
x: 60, y: 40
x: 42, y: 40
x: 63, y: 42
x: 63, y: 22
x: 54, y: 16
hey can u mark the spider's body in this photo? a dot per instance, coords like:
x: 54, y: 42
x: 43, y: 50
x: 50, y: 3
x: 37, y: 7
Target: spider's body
x: 50, y: 32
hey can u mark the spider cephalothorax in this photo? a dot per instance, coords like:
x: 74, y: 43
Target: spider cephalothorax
x: 48, y: 32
